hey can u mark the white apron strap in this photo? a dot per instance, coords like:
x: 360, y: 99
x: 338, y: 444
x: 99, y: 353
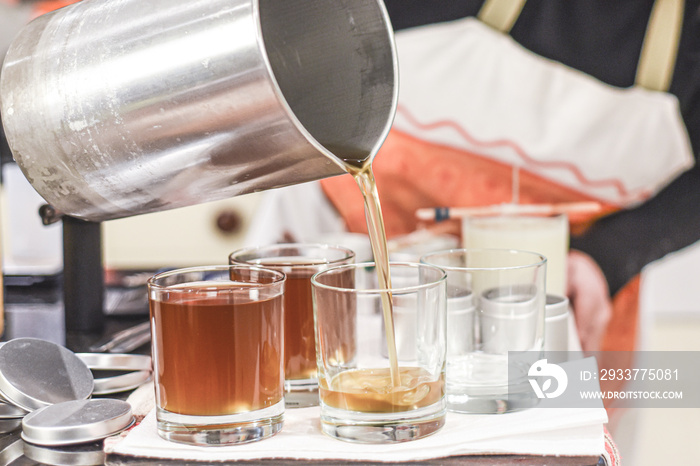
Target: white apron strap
x: 659, y: 50
x: 658, y: 57
x: 501, y: 15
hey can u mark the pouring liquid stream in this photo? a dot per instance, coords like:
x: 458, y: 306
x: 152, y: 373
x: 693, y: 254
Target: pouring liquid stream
x: 361, y: 170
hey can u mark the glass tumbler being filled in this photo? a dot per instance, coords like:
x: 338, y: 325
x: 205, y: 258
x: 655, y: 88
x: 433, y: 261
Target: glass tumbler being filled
x: 381, y: 361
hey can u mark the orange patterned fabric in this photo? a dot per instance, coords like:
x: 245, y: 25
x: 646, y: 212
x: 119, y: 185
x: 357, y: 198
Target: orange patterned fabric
x: 621, y: 334
x: 620, y: 341
x: 413, y: 174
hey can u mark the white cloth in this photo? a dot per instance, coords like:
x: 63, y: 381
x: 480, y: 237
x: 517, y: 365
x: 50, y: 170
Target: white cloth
x: 538, y: 431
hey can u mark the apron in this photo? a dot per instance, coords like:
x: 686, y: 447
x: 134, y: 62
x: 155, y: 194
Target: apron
x: 473, y: 104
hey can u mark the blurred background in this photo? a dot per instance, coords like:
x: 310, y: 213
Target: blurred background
x: 32, y: 263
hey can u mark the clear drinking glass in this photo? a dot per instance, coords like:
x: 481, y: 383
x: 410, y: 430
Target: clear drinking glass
x: 298, y: 262
x: 381, y: 380
x: 496, y: 305
x: 217, y: 341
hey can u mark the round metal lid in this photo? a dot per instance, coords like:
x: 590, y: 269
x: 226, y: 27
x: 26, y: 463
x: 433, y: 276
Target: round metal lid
x: 89, y: 454
x: 78, y: 421
x: 9, y: 425
x: 139, y: 365
x: 124, y: 362
x: 459, y: 300
x: 10, y: 411
x: 120, y: 383
x: 37, y: 373
x: 11, y: 450
x: 556, y: 306
x: 509, y: 301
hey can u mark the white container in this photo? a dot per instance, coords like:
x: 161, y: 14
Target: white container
x: 556, y: 323
x: 548, y: 236
x: 509, y: 319
x: 505, y: 313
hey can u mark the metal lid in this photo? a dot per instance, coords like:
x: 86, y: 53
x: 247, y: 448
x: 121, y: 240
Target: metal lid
x: 139, y: 364
x: 556, y: 306
x: 459, y: 299
x: 9, y: 425
x: 89, y: 454
x: 120, y: 383
x: 117, y: 362
x: 12, y: 449
x: 78, y: 421
x: 510, y: 301
x: 37, y: 373
x: 10, y: 411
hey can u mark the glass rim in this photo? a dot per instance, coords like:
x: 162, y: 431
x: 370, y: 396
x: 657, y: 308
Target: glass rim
x: 279, y: 277
x: 524, y: 215
x: 402, y: 289
x: 465, y: 251
x: 349, y: 254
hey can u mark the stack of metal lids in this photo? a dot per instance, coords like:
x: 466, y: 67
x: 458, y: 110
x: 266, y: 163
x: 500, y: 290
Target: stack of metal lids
x: 10, y: 417
x: 134, y: 370
x: 47, y: 389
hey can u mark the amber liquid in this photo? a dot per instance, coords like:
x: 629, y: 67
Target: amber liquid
x: 373, y: 391
x: 359, y: 165
x: 216, y: 356
x: 299, y: 339
x: 364, y: 176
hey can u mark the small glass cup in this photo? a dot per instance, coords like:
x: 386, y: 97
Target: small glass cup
x: 504, y: 313
x: 372, y: 391
x: 299, y: 262
x: 217, y: 341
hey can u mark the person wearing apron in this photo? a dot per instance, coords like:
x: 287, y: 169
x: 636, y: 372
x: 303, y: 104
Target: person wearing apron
x: 592, y: 100
x: 589, y: 99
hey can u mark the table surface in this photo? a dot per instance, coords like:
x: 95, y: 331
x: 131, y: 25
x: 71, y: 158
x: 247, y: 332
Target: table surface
x: 12, y: 453
x: 15, y: 452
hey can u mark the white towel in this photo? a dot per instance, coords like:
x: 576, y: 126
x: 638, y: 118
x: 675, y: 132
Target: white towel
x: 537, y: 431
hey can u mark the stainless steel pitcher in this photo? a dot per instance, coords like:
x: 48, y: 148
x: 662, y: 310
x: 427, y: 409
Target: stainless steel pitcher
x: 114, y: 108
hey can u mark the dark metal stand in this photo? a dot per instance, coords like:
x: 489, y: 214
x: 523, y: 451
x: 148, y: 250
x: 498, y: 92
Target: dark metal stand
x: 83, y: 276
